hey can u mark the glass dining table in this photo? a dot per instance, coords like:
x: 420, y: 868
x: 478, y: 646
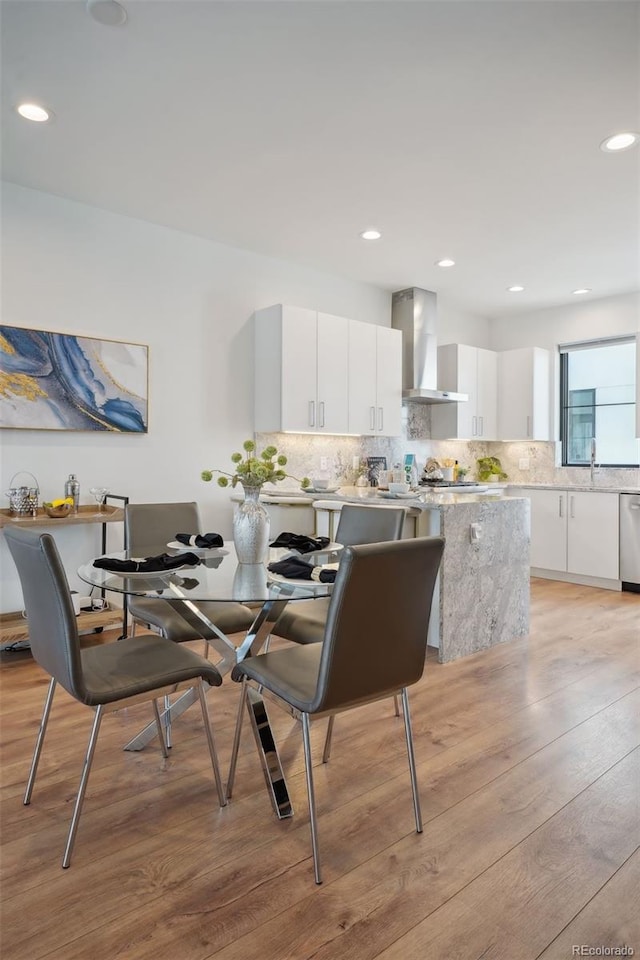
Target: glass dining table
x: 220, y: 577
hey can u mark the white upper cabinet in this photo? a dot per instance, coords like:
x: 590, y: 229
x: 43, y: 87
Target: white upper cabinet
x: 332, y: 412
x: 301, y: 371
x: 375, y: 379
x: 523, y: 394
x: 474, y: 371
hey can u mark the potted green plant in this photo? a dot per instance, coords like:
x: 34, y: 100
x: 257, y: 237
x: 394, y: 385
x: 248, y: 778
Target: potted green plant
x: 489, y: 470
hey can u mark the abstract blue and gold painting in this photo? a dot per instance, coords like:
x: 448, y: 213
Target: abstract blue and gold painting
x: 59, y: 381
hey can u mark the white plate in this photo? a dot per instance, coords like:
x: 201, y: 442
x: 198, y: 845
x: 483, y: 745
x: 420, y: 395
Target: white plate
x: 397, y: 496
x: 320, y: 489
x: 199, y: 551
x: 151, y: 575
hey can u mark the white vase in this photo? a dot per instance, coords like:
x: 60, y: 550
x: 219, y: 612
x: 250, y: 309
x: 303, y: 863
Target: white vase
x: 251, y: 528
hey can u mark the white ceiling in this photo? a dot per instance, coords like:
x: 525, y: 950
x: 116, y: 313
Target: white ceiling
x: 460, y: 129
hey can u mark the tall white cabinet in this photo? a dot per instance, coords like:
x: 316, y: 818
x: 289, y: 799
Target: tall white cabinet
x: 375, y: 380
x: 474, y: 371
x: 523, y: 394
x: 301, y: 371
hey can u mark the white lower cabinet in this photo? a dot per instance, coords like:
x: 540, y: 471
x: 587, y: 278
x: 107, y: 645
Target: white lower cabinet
x: 575, y: 532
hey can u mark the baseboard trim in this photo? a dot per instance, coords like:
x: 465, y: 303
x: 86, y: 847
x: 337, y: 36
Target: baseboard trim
x: 601, y: 582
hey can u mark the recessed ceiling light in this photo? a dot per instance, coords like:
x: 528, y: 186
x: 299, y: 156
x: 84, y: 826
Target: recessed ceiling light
x: 107, y: 12
x: 582, y: 290
x: 370, y: 234
x: 445, y: 263
x: 515, y: 289
x: 620, y: 141
x: 32, y: 111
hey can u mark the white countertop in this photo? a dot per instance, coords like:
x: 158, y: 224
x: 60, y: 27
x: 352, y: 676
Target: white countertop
x: 578, y: 487
x: 424, y: 500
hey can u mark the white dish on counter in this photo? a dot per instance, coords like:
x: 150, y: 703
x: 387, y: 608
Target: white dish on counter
x: 398, y: 496
x: 320, y: 489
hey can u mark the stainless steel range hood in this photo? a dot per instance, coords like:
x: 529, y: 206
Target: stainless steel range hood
x: 414, y: 312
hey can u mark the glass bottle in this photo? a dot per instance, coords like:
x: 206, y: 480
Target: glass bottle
x: 72, y: 489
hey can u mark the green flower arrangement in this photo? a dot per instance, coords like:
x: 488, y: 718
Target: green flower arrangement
x: 254, y: 471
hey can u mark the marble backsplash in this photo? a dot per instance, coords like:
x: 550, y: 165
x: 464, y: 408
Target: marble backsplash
x: 304, y: 452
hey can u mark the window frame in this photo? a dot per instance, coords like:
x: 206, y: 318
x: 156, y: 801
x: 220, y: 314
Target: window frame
x: 565, y: 350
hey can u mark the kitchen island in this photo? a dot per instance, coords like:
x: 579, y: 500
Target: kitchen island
x: 482, y: 596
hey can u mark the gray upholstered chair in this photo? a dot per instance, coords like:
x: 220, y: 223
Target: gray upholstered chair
x: 304, y: 622
x: 374, y: 646
x: 106, y: 677
x: 148, y: 529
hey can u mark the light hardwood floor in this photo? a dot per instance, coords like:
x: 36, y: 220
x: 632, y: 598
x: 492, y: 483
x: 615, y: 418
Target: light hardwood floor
x: 528, y: 767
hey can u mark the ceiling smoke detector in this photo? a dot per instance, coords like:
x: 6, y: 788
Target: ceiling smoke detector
x: 107, y: 12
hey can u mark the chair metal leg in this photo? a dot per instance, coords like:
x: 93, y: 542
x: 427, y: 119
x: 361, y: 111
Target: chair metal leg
x: 212, y: 746
x: 396, y: 706
x: 236, y: 738
x: 326, y: 753
x: 39, y: 741
x: 412, y: 759
x: 156, y: 713
x: 77, y: 809
x: 167, y: 720
x: 312, y: 798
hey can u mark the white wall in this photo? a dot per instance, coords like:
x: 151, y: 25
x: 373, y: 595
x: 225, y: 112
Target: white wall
x: 459, y: 326
x: 75, y: 269
x: 582, y: 320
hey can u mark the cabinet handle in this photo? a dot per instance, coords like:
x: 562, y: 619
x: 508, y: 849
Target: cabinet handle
x: 474, y: 426
x: 572, y: 508
x: 560, y: 504
x: 528, y: 426
x: 634, y: 506
x: 372, y: 418
x: 321, y: 413
x: 312, y: 413
x: 380, y: 418
x: 481, y: 422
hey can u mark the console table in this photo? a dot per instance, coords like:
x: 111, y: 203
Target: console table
x: 13, y: 626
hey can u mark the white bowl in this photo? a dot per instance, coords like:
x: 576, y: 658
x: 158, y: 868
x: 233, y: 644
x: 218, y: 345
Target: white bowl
x: 320, y: 483
x: 398, y: 488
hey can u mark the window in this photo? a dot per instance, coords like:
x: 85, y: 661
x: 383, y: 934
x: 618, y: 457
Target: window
x: 598, y: 402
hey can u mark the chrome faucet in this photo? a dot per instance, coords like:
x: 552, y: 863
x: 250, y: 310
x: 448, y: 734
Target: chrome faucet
x: 593, y: 460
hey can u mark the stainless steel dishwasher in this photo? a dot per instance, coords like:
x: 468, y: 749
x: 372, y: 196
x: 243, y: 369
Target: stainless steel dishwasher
x: 630, y: 541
